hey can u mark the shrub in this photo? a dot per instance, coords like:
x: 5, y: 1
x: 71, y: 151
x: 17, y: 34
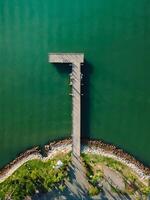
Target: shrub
x: 93, y: 191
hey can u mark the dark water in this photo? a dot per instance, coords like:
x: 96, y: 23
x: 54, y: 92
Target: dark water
x: 34, y: 103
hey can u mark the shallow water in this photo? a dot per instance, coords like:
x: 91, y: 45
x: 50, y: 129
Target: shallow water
x: 34, y: 103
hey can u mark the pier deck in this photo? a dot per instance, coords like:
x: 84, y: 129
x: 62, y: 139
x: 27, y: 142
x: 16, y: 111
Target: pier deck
x: 75, y: 59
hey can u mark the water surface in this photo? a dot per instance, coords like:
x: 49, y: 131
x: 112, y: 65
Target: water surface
x: 34, y: 103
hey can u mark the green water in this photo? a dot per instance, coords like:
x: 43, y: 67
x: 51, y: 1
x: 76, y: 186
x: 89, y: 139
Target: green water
x: 34, y: 103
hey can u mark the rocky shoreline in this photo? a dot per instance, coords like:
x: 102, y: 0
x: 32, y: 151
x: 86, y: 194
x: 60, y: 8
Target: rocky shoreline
x: 111, y: 151
x: 65, y: 146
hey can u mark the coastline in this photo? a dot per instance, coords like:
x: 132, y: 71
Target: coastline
x: 111, y: 151
x: 89, y: 146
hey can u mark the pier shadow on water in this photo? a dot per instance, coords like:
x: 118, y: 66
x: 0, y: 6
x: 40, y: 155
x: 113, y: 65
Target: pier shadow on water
x: 63, y: 68
x: 86, y: 70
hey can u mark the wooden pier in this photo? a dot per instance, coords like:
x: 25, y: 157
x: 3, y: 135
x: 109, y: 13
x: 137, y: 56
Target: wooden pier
x: 75, y: 59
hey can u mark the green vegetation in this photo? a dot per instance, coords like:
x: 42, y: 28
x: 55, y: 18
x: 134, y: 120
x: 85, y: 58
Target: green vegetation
x: 93, y: 191
x: 94, y: 164
x: 35, y: 176
x: 92, y: 159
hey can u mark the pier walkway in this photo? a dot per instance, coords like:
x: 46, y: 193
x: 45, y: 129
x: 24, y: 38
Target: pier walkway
x: 75, y: 80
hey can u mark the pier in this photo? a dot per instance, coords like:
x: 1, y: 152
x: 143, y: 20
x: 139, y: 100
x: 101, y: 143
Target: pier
x: 75, y: 60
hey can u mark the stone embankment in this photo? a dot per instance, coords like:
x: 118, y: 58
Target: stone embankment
x: 65, y: 146
x: 20, y: 160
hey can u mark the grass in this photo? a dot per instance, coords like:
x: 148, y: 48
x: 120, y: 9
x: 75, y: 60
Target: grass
x: 35, y: 176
